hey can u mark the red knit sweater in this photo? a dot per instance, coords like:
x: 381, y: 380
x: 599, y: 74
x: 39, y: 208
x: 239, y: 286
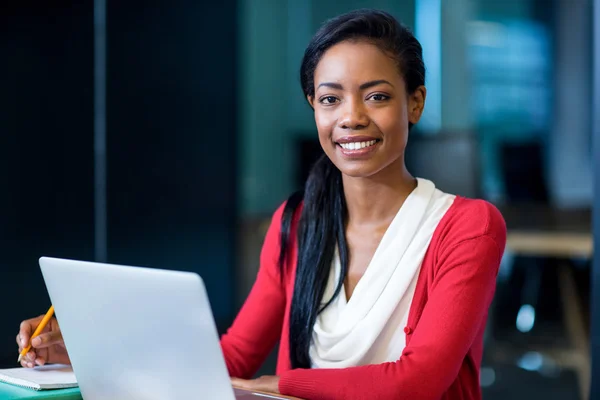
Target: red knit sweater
x: 444, y: 333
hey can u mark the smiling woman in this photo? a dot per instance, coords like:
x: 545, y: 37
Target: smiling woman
x: 378, y: 282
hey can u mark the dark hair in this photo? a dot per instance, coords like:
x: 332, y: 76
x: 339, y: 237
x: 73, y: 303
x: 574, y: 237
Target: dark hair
x: 324, y: 214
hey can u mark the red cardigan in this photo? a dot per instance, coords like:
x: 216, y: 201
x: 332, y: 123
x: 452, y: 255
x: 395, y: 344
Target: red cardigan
x: 444, y: 333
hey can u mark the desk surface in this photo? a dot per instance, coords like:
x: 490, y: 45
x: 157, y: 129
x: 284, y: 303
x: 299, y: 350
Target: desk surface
x: 540, y: 218
x: 547, y: 232
x: 550, y: 244
x: 11, y: 392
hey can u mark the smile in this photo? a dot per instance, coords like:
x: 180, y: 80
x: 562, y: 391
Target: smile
x: 357, y: 145
x: 357, y: 148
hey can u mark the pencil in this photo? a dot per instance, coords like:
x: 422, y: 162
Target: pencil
x: 37, y: 331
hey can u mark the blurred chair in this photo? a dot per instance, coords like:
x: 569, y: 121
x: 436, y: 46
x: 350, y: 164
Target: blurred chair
x: 523, y: 174
x: 449, y: 159
x: 530, y: 212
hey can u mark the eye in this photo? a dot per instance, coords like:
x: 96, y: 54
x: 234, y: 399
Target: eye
x: 379, y: 97
x: 328, y: 100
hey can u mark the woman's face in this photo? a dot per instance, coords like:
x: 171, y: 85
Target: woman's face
x: 362, y: 109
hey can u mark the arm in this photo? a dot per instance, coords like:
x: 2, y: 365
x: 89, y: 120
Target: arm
x: 258, y: 325
x: 458, y: 302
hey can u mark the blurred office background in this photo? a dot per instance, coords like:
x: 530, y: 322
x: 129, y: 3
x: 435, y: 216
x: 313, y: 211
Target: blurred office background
x: 165, y: 133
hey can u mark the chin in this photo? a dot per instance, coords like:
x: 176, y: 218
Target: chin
x: 370, y: 166
x: 358, y: 170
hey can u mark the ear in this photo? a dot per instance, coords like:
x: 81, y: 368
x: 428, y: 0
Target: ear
x: 311, y: 101
x: 416, y: 104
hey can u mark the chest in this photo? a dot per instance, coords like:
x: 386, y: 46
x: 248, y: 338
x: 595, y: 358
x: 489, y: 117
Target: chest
x: 362, y: 244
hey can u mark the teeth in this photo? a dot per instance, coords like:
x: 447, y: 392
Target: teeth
x: 357, y: 145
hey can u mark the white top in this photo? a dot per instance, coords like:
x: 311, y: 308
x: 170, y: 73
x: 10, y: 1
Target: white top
x: 369, y: 328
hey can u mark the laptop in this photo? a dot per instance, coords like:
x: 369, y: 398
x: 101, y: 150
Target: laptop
x: 138, y: 333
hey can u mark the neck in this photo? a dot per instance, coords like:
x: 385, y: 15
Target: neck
x: 378, y: 198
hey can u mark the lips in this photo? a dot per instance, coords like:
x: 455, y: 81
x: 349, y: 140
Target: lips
x: 353, y: 147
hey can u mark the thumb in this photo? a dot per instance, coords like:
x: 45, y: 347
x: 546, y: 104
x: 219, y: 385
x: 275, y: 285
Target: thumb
x: 46, y: 339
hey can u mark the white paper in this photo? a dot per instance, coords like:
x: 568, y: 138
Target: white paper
x: 51, y: 376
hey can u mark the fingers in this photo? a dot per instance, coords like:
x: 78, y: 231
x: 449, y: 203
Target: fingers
x: 26, y: 329
x: 47, y: 339
x: 240, y: 383
x: 33, y: 357
x: 28, y: 361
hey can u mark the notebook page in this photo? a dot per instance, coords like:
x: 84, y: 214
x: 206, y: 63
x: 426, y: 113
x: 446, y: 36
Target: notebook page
x: 52, y: 376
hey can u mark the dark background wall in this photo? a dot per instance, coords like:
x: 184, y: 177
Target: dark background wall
x: 171, y: 138
x: 46, y: 151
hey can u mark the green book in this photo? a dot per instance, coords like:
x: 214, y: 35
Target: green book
x: 12, y: 392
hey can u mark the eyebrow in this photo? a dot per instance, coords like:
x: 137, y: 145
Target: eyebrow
x: 364, y: 86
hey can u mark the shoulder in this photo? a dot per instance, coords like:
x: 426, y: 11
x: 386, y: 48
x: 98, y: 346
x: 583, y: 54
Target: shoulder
x: 278, y: 214
x: 470, y: 219
x: 285, y: 218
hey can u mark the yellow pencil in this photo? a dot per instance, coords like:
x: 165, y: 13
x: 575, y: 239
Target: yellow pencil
x: 37, y: 331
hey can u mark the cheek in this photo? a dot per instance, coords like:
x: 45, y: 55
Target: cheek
x: 325, y: 123
x: 394, y: 126
x: 392, y: 122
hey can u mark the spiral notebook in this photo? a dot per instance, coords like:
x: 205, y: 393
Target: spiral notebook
x: 51, y: 376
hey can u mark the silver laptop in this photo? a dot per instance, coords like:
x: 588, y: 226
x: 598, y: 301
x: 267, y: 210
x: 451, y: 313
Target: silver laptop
x: 138, y: 333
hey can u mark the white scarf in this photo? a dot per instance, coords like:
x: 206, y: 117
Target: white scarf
x: 369, y: 328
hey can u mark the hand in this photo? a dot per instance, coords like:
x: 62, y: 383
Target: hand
x: 267, y: 383
x: 47, y: 347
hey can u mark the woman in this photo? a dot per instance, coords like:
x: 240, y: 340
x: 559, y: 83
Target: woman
x: 376, y: 283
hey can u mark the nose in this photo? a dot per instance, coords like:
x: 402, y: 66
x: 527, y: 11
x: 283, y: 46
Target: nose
x: 353, y: 115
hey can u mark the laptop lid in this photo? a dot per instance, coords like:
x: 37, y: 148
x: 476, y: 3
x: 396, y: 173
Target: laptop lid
x: 137, y: 333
